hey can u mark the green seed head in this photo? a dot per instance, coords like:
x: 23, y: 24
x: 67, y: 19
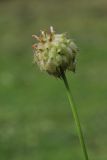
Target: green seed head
x: 54, y: 52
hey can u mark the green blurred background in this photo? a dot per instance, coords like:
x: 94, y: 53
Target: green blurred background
x: 36, y: 122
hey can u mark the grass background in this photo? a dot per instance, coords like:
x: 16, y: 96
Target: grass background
x: 35, y: 118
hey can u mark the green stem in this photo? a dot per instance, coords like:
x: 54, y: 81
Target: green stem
x: 75, y: 114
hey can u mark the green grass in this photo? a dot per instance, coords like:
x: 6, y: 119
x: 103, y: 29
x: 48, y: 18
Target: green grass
x: 35, y: 117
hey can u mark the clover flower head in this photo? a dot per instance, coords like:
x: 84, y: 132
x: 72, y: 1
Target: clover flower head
x: 54, y: 52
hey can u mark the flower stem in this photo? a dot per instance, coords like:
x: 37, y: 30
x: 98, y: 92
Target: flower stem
x: 75, y: 114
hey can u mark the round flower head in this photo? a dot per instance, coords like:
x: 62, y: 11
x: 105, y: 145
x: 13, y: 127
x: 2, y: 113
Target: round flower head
x: 54, y: 52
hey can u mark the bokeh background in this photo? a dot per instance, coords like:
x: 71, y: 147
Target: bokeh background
x: 36, y: 122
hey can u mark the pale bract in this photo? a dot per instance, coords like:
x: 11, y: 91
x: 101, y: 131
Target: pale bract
x: 54, y: 52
